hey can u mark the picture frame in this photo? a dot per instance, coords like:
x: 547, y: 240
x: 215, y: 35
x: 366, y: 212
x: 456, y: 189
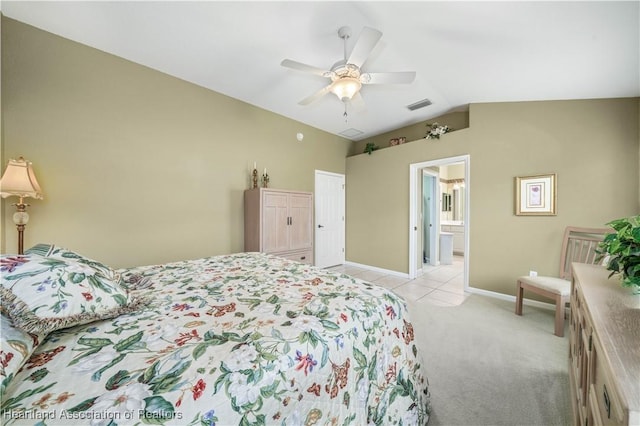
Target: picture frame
x: 536, y: 195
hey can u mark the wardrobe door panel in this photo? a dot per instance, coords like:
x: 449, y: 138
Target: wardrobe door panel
x: 301, y: 221
x: 275, y: 231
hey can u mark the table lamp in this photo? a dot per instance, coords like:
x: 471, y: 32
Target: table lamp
x: 19, y: 180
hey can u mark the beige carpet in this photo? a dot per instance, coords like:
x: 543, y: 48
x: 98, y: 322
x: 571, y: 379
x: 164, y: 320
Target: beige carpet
x: 488, y: 366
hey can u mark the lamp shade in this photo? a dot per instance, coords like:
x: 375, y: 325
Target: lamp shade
x: 19, y: 180
x: 346, y: 87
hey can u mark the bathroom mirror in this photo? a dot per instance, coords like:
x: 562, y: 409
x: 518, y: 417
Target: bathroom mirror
x: 446, y: 202
x: 458, y: 204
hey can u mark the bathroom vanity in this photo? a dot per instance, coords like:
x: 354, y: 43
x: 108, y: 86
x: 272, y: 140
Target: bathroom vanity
x: 457, y: 229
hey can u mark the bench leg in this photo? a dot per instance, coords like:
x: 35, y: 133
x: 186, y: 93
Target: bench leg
x: 559, y: 316
x: 519, y: 296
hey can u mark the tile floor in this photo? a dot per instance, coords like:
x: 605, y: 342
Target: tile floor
x: 441, y: 285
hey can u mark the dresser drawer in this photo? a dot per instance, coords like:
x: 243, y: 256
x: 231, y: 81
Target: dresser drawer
x: 304, y: 256
x: 603, y: 398
x: 594, y: 417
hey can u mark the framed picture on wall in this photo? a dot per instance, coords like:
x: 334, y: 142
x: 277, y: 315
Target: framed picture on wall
x: 536, y: 195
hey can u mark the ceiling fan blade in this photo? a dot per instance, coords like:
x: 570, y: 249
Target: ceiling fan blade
x: 305, y: 68
x: 320, y: 93
x: 366, y: 42
x: 403, y: 77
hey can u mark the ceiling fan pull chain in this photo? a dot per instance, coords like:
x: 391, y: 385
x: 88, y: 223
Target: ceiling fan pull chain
x: 345, y: 115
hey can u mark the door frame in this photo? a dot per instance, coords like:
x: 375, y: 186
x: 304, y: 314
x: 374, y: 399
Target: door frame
x: 415, y: 173
x: 342, y: 213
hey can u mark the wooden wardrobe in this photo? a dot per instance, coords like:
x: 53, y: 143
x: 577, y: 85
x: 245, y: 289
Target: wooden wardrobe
x: 279, y: 222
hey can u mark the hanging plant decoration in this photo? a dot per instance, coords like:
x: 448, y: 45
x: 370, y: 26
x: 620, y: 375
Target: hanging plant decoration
x: 436, y: 130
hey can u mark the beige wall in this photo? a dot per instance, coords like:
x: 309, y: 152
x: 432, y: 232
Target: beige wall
x: 592, y: 145
x: 139, y: 167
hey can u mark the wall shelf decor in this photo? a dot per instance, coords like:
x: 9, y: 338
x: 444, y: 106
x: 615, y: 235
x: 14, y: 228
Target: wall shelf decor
x: 397, y: 141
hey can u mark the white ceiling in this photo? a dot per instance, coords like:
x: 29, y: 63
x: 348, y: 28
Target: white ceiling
x: 462, y: 52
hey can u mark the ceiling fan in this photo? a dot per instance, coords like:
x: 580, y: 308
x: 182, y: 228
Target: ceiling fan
x: 346, y: 75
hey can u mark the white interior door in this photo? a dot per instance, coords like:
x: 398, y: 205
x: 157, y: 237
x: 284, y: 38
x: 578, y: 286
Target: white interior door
x: 329, y: 219
x: 431, y: 216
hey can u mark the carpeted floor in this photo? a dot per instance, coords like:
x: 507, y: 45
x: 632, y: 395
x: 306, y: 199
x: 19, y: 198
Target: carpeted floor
x: 487, y: 366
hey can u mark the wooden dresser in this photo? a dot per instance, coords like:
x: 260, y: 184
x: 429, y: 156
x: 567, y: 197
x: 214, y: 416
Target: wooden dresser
x: 279, y: 222
x: 604, y: 349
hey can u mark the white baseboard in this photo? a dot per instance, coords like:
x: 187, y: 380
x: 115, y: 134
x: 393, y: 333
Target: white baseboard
x: 510, y: 298
x: 376, y: 269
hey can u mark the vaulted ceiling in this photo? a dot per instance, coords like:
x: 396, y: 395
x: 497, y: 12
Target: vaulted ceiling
x: 462, y: 52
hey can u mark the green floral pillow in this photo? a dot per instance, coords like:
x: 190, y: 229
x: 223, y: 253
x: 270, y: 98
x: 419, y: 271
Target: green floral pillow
x: 16, y: 346
x: 43, y: 293
x: 52, y: 250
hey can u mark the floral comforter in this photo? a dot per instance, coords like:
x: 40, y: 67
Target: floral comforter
x: 231, y: 340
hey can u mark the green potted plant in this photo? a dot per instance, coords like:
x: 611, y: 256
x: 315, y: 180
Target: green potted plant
x: 622, y: 251
x: 370, y: 148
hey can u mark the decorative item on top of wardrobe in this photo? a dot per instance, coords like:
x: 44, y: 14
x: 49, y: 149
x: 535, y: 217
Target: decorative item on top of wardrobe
x: 265, y: 179
x: 397, y: 141
x: 254, y: 176
x: 620, y: 251
x: 436, y: 130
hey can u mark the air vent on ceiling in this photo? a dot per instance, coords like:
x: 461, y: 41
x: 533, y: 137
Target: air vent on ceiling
x: 420, y: 104
x: 351, y: 133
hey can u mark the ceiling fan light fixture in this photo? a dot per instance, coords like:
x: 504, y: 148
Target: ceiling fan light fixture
x: 346, y: 75
x: 345, y: 88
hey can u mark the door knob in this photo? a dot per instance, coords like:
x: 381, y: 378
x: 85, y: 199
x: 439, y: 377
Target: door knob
x: 320, y: 226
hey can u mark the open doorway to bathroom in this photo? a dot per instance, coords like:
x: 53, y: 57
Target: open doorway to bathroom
x: 439, y: 215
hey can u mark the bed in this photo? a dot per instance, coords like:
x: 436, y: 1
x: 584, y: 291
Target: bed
x: 239, y: 339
